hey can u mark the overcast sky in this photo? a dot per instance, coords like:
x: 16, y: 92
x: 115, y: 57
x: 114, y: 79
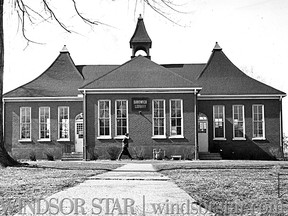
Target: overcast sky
x: 252, y: 33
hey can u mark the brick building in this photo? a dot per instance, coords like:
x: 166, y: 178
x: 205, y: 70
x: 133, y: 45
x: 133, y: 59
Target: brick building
x: 181, y: 109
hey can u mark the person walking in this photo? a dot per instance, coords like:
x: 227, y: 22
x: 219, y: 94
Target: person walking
x: 125, y: 145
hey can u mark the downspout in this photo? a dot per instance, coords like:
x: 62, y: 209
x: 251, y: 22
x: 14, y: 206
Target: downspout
x: 84, y: 127
x: 281, y: 126
x: 3, y: 123
x: 196, y: 124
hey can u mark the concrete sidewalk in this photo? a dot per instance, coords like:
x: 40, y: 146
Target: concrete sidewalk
x: 133, y: 189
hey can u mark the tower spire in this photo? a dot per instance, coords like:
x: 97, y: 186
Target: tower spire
x: 140, y: 39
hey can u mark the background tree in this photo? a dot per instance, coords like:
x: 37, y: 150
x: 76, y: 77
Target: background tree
x: 29, y: 15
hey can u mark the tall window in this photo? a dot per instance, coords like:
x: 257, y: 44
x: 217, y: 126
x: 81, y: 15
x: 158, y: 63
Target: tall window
x: 258, y: 121
x: 159, y: 120
x: 176, y: 117
x: 121, y: 117
x: 25, y: 123
x: 44, y: 123
x: 104, y: 118
x: 63, y: 123
x: 219, y: 121
x: 238, y: 121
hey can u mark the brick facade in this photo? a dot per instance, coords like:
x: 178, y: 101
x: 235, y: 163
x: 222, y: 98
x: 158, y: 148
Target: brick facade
x: 140, y: 127
x: 249, y: 148
x: 40, y: 148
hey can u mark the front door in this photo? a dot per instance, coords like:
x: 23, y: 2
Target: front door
x: 79, y: 135
x: 203, y: 132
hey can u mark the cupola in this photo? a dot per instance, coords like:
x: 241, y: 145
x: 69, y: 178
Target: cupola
x: 140, y: 39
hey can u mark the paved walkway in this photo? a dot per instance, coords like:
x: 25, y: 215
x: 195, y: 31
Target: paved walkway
x: 133, y: 189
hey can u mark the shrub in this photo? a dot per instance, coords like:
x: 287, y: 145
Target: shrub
x: 32, y: 156
x: 113, y: 152
x: 50, y: 157
x: 94, y: 156
x: 139, y: 152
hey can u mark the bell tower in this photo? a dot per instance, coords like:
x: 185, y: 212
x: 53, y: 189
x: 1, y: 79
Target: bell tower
x: 140, y: 39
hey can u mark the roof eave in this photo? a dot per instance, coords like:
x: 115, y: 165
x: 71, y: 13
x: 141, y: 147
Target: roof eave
x: 141, y: 90
x: 243, y: 96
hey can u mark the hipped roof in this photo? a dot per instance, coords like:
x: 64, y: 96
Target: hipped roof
x: 218, y: 77
x: 140, y: 72
x: 221, y: 77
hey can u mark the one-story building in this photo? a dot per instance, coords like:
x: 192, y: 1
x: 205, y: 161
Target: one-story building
x: 210, y: 110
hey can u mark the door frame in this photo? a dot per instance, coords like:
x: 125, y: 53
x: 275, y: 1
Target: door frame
x: 204, y: 134
x: 78, y: 119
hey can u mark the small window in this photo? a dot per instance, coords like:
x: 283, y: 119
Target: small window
x: 63, y: 123
x: 176, y: 118
x: 104, y: 119
x: 219, y: 121
x: 121, y: 117
x: 159, y: 120
x: 44, y: 123
x: 238, y: 121
x: 25, y: 123
x: 258, y: 121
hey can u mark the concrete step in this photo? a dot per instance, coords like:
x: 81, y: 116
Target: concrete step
x: 74, y: 156
x: 209, y: 156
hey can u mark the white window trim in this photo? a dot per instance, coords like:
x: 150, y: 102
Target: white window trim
x: 263, y: 117
x: 49, y: 127
x: 63, y: 139
x: 127, y: 119
x: 164, y: 106
x: 25, y: 139
x: 180, y: 136
x: 224, y: 125
x: 244, y: 132
x: 99, y: 137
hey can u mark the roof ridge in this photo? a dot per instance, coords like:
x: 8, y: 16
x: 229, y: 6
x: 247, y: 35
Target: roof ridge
x: 107, y: 73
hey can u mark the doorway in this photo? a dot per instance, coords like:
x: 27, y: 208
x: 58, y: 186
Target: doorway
x: 79, y: 133
x: 203, y: 132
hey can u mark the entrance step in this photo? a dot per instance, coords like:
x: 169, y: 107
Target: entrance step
x: 209, y: 156
x: 74, y: 156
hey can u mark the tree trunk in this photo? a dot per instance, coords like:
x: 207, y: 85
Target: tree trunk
x: 5, y: 158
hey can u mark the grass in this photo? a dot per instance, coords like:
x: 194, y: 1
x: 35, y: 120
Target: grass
x: 43, y: 178
x: 222, y: 185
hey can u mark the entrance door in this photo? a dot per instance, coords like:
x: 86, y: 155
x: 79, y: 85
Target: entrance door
x: 79, y: 134
x: 203, y: 132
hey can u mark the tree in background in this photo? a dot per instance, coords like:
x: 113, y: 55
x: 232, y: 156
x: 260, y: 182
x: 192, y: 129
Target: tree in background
x: 28, y: 16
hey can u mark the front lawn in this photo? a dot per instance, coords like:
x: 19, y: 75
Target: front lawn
x: 232, y: 187
x: 43, y: 178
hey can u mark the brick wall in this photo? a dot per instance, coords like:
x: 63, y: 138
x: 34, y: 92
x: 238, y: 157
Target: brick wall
x: 140, y: 127
x: 248, y: 149
x: 24, y: 149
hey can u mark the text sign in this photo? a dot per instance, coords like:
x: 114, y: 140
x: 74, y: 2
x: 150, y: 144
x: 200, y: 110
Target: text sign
x: 140, y: 104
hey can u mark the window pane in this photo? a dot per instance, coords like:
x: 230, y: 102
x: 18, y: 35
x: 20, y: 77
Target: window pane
x: 176, y: 111
x: 219, y: 118
x: 258, y: 121
x: 63, y: 122
x: 121, y: 118
x: 159, y: 117
x: 238, y: 121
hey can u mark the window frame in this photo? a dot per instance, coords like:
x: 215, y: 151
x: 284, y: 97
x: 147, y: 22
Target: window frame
x: 153, y: 117
x: 224, y: 124
x: 30, y: 125
x: 59, y: 138
x: 263, y: 122
x: 182, y: 126
x: 233, y: 116
x: 98, y: 122
x: 117, y: 136
x: 48, y: 124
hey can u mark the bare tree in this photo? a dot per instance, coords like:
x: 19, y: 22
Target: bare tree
x: 27, y: 15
